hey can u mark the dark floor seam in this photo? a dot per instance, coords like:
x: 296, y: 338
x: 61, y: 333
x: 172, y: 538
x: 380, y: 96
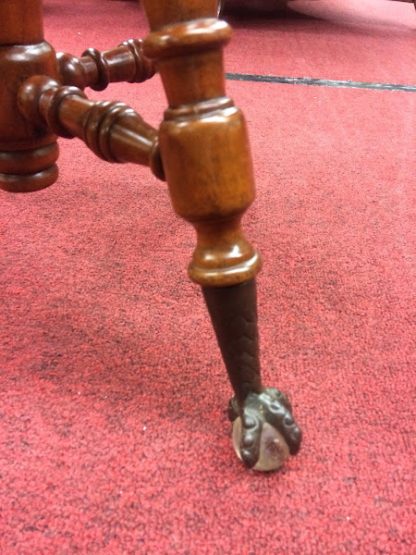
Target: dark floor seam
x: 310, y: 81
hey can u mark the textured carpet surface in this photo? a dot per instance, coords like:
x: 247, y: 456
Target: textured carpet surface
x: 113, y: 434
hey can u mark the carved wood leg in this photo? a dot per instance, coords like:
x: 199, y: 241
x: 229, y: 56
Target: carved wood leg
x: 207, y: 163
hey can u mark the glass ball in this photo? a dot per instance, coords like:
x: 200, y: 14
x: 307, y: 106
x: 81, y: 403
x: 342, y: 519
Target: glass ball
x: 273, y: 447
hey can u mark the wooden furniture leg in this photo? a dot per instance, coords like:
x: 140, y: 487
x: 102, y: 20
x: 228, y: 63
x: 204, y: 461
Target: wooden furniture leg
x: 201, y: 149
x: 207, y: 163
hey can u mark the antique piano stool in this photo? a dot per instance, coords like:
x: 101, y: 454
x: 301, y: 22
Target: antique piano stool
x: 201, y: 150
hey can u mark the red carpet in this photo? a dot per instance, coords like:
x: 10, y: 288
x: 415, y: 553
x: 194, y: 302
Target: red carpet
x: 361, y: 40
x: 113, y: 436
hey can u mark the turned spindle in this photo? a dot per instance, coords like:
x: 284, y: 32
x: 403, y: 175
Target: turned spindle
x: 97, y: 69
x: 112, y: 130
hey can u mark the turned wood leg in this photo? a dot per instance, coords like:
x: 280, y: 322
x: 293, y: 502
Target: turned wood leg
x: 27, y: 154
x: 207, y: 163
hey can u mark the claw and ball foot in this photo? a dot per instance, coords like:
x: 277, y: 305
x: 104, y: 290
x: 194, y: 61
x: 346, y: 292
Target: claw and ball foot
x: 264, y: 431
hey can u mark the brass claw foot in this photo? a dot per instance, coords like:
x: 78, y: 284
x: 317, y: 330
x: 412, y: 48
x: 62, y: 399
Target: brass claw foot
x: 265, y: 433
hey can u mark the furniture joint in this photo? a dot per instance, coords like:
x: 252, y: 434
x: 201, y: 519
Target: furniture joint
x: 112, y: 130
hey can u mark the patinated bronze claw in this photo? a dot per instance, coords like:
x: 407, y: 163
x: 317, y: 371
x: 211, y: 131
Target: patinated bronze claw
x: 265, y: 433
x: 272, y: 409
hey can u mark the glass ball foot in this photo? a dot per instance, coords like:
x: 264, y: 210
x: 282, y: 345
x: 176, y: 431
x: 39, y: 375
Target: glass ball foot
x: 273, y: 449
